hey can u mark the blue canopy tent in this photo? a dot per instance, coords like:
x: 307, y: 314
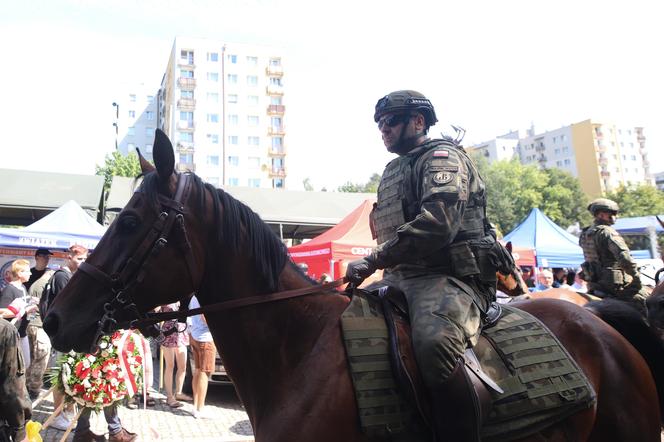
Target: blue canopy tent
x: 64, y: 227
x: 638, y: 224
x: 553, y: 246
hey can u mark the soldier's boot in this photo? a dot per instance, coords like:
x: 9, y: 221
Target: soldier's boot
x: 458, y: 409
x: 88, y: 436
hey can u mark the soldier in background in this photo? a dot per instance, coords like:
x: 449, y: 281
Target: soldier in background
x: 609, y: 269
x: 437, y: 246
x: 15, y: 408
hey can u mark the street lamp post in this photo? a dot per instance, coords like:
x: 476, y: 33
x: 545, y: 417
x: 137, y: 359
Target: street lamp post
x: 115, y: 123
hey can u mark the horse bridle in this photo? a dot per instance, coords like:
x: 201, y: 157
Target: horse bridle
x: 123, y: 283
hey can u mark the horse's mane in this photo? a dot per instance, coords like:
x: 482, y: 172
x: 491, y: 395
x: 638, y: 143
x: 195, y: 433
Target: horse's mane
x: 240, y: 228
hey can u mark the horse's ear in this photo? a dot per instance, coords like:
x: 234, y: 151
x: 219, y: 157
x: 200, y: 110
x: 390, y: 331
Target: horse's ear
x: 146, y: 166
x: 508, y: 246
x: 162, y: 152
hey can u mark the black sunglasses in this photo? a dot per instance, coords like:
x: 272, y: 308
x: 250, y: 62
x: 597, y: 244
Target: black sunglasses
x: 393, y: 120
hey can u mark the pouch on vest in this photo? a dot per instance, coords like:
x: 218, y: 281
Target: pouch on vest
x: 463, y: 260
x: 589, y: 272
x: 614, y: 276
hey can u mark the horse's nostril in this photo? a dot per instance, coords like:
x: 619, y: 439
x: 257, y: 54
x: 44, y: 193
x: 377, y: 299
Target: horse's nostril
x: 51, y: 324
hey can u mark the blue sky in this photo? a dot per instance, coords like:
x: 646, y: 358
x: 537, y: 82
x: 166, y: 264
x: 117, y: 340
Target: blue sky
x: 487, y: 66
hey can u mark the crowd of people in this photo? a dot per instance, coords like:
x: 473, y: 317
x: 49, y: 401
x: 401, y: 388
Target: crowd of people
x: 26, y: 354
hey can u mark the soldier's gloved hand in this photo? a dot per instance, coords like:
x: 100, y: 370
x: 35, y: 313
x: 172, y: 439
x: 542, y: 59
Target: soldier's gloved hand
x: 358, y: 271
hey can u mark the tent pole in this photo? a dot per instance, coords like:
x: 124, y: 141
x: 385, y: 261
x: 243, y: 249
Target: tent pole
x: 652, y: 235
x: 281, y: 231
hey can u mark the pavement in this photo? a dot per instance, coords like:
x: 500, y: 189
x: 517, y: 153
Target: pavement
x: 225, y: 421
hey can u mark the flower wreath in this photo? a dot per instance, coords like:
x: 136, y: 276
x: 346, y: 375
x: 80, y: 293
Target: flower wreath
x: 113, y: 372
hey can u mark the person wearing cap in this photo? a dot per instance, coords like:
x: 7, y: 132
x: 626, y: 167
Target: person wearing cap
x: 436, y: 245
x: 609, y: 269
x: 42, y: 256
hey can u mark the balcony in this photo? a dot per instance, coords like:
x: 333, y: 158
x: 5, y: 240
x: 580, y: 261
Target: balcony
x: 185, y: 167
x: 276, y: 109
x: 274, y: 71
x: 186, y: 125
x: 277, y: 172
x: 605, y: 174
x: 186, y: 64
x: 601, y: 148
x: 185, y: 147
x: 603, y: 161
x: 274, y: 89
x: 276, y: 130
x: 186, y: 83
x: 186, y: 104
x: 276, y: 152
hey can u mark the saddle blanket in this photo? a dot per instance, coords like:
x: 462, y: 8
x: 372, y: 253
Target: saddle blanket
x: 541, y: 383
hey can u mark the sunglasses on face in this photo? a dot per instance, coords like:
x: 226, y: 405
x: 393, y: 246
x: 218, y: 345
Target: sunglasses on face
x: 393, y: 120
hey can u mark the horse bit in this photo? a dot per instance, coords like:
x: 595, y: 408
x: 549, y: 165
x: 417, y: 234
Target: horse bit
x: 123, y: 282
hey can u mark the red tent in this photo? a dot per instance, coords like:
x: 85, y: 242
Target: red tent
x: 331, y: 251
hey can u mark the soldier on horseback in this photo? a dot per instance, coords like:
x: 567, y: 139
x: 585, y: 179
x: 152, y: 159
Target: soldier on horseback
x: 609, y: 269
x: 437, y: 246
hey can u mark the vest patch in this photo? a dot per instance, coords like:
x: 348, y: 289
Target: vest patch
x: 443, y: 177
x: 441, y: 153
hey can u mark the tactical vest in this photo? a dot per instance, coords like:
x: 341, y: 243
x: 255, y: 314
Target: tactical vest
x: 400, y: 194
x: 600, y: 265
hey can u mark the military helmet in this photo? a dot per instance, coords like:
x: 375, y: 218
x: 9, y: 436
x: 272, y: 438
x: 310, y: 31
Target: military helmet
x: 401, y: 101
x: 603, y: 204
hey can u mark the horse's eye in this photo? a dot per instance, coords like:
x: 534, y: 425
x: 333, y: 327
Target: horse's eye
x: 128, y: 224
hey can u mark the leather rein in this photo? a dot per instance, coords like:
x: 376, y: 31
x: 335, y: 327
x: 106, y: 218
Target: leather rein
x: 123, y: 282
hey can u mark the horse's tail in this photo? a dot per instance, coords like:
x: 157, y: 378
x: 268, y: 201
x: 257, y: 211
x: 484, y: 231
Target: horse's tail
x: 627, y: 321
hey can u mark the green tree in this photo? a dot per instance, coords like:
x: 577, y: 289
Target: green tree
x: 370, y: 186
x: 116, y: 164
x: 641, y: 200
x: 564, y: 201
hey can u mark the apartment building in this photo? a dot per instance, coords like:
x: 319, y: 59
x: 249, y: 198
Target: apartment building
x: 222, y: 105
x: 135, y: 118
x: 602, y: 156
x: 659, y: 180
x: 503, y: 147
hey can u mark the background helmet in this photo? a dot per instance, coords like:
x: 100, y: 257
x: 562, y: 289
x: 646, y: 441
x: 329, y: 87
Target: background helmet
x: 604, y: 204
x: 404, y: 101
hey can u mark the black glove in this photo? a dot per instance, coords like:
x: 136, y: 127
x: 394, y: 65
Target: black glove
x: 358, y: 271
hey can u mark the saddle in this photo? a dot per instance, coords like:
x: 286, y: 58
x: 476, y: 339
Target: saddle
x: 524, y: 378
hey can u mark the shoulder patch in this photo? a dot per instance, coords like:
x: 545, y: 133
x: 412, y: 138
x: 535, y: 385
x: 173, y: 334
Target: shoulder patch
x: 443, y: 177
x: 441, y: 153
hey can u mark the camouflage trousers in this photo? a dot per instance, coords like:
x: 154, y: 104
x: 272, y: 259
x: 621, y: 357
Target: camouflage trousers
x: 445, y: 320
x: 40, y: 350
x: 636, y: 296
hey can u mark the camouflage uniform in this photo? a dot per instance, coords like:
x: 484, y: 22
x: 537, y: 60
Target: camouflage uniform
x: 435, y: 245
x: 15, y: 406
x: 609, y: 269
x: 40, y: 344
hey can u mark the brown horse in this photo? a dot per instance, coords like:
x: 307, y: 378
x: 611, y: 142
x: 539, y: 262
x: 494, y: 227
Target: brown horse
x: 178, y: 235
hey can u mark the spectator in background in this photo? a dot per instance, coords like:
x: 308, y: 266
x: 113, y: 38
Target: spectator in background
x: 204, y: 354
x: 40, y: 343
x: 527, y: 273
x: 20, y: 273
x: 559, y: 275
x: 579, y: 286
x: 42, y: 256
x: 544, y: 280
x: 174, y: 348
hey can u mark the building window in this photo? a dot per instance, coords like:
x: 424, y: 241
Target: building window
x: 148, y: 148
x: 567, y: 162
x: 186, y: 73
x: 275, y: 61
x: 214, y: 138
x: 131, y: 147
x: 275, y: 81
x: 252, y: 100
x: 563, y: 137
x: 253, y: 141
x: 132, y: 98
x: 252, y: 80
x: 231, y: 58
x: 186, y: 158
x: 150, y: 98
x: 233, y: 120
x: 254, y: 182
x: 277, y: 142
x: 232, y: 78
x: 556, y: 151
x: 149, y: 115
x: 213, y: 76
x: 212, y: 160
x: 212, y: 56
x: 278, y: 183
x: 252, y: 61
x: 252, y: 120
x: 187, y: 56
x: 131, y: 130
x: 253, y: 162
x: 186, y: 137
x: 275, y: 122
x: 233, y: 181
x: 187, y: 95
x: 186, y: 116
x: 213, y: 97
x: 559, y: 163
x: 132, y: 114
x: 149, y: 131
x: 232, y: 139
x: 633, y: 157
x: 212, y: 118
x: 232, y: 98
x: 275, y: 100
x: 233, y: 160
